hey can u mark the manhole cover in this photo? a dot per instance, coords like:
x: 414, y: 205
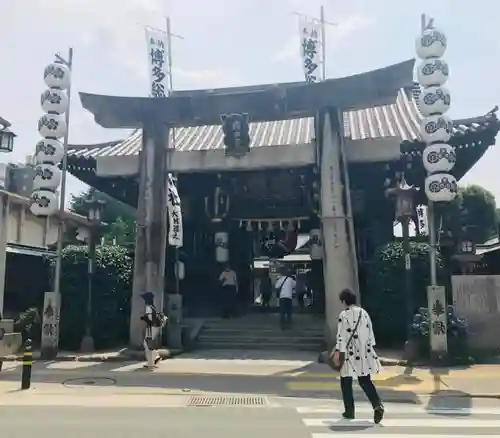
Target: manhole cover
x: 227, y: 401
x: 90, y: 381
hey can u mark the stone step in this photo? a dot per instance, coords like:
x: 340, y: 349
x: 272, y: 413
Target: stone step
x: 317, y: 325
x: 252, y: 337
x: 229, y: 345
x: 264, y: 331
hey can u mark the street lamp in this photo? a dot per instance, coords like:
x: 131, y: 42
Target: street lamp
x: 404, y: 193
x: 6, y: 136
x: 95, y: 209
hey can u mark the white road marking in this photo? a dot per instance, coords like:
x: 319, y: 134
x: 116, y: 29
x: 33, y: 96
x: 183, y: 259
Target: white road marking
x: 455, y: 422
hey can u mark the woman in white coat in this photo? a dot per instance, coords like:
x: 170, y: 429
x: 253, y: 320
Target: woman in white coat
x: 355, y: 343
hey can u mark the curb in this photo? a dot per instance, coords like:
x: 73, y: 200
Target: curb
x: 139, y: 357
x: 465, y: 395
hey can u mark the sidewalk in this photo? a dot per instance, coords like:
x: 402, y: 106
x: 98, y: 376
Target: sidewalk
x: 479, y: 381
x: 121, y: 355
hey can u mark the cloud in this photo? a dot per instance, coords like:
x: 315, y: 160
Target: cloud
x: 334, y: 35
x: 206, y: 78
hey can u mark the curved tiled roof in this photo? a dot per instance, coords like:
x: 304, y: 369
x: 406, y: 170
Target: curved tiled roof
x: 396, y: 120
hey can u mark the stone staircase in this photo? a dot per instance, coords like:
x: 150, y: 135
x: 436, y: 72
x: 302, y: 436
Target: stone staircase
x: 262, y: 332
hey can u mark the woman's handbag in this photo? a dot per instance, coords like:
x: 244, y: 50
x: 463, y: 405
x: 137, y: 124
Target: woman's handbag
x: 336, y: 360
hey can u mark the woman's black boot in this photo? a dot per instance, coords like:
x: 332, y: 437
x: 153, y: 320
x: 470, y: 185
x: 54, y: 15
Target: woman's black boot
x: 348, y: 415
x: 378, y: 414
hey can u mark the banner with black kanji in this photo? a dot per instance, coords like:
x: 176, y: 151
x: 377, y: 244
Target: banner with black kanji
x: 157, y: 62
x: 310, y: 49
x: 175, y: 236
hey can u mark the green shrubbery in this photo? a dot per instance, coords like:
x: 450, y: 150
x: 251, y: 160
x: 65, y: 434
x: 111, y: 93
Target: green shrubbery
x: 385, y: 295
x: 457, y: 332
x: 112, y: 289
x: 385, y: 300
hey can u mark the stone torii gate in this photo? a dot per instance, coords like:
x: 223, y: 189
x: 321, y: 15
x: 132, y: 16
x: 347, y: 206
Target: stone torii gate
x: 326, y: 101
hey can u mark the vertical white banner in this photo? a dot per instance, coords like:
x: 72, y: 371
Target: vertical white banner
x: 157, y: 62
x: 175, y: 235
x: 310, y: 49
x: 438, y: 330
x: 423, y: 224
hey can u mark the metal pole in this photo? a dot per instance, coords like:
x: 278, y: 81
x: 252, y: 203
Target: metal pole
x: 323, y: 41
x: 4, y: 219
x: 62, y: 199
x: 405, y: 224
x: 432, y: 242
x: 169, y: 51
x: 90, y: 280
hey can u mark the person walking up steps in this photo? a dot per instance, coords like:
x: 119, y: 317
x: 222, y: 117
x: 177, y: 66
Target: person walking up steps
x: 355, y: 355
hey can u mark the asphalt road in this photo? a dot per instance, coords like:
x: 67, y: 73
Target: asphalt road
x: 312, y: 421
x: 64, y: 422
x: 132, y: 375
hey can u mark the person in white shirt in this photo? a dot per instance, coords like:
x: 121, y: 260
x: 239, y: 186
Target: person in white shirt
x: 285, y: 287
x: 155, y: 321
x: 229, y: 290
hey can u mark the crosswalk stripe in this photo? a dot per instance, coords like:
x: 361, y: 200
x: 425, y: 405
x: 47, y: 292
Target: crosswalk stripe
x: 9, y: 366
x: 398, y: 409
x: 406, y: 422
x: 68, y: 365
x: 127, y: 368
x: 392, y: 435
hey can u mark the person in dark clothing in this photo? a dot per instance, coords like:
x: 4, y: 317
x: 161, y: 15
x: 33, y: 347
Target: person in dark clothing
x: 266, y: 286
x: 229, y: 290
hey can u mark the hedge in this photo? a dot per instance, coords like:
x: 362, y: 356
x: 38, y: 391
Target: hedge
x: 112, y: 289
x: 384, y: 297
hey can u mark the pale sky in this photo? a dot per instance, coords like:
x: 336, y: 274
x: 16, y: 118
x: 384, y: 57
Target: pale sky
x: 228, y: 43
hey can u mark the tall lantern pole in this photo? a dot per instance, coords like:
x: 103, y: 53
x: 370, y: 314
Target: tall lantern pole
x: 439, y: 159
x: 50, y: 153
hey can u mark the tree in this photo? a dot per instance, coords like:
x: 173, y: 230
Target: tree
x: 384, y: 298
x: 472, y: 215
x: 110, y: 296
x: 119, y: 217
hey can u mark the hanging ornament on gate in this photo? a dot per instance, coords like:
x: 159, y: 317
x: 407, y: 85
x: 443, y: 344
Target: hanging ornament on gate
x: 282, y: 245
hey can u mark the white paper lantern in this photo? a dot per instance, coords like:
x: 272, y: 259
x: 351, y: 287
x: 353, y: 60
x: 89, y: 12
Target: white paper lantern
x: 43, y: 203
x: 57, y: 75
x: 434, y: 100
x: 436, y: 128
x: 441, y: 187
x: 49, y: 150
x: 439, y: 157
x: 316, y: 244
x: 52, y: 126
x: 433, y: 72
x: 47, y: 176
x: 431, y: 44
x: 221, y: 240
x: 54, y: 101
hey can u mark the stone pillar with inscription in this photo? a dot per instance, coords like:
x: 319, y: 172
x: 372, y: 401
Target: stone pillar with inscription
x: 151, y: 236
x: 436, y: 298
x: 338, y: 261
x: 50, y: 325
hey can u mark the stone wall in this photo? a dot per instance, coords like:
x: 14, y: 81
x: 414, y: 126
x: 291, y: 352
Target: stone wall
x: 477, y: 298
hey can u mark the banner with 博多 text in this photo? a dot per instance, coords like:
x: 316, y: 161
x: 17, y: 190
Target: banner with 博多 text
x: 310, y: 49
x: 157, y: 62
